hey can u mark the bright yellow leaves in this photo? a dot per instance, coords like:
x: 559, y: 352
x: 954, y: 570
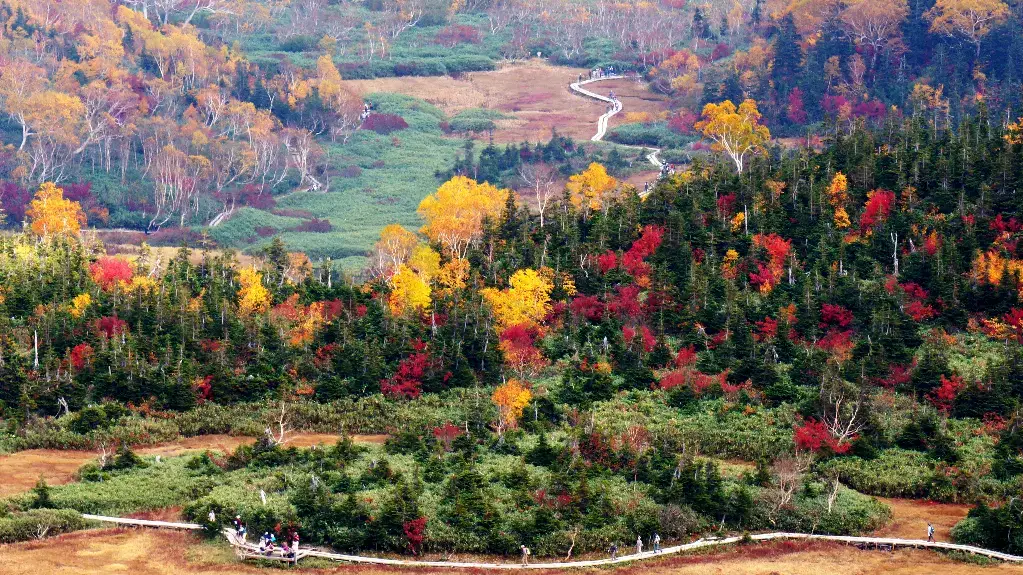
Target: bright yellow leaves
x: 737, y: 221
x: 511, y: 399
x: 52, y: 215
x: 735, y: 131
x: 526, y: 300
x: 728, y: 268
x: 253, y: 298
x: 838, y: 196
x: 593, y: 189
x: 456, y: 212
x: 79, y: 305
x: 409, y: 291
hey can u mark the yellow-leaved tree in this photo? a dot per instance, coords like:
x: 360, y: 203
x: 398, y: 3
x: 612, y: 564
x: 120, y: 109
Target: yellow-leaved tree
x: 969, y: 19
x: 511, y: 398
x: 253, y: 297
x: 526, y: 300
x: 51, y: 214
x: 593, y: 189
x: 393, y: 249
x: 409, y: 291
x: 735, y: 131
x: 838, y: 196
x: 455, y: 213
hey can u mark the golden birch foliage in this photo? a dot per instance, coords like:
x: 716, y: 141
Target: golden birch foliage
x: 79, y: 305
x: 424, y: 261
x: 409, y: 292
x: 455, y: 213
x: 50, y: 214
x: 527, y: 300
x: 253, y: 297
x: 735, y: 131
x: 453, y: 274
x: 511, y: 399
x: 592, y: 189
x: 393, y: 249
x: 972, y: 19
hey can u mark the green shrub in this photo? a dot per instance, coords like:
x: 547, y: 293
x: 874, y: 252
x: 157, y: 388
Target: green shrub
x: 39, y: 523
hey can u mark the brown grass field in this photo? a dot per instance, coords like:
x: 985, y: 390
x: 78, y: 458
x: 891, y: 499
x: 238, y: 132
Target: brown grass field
x: 534, y: 93
x: 20, y: 471
x: 165, y: 552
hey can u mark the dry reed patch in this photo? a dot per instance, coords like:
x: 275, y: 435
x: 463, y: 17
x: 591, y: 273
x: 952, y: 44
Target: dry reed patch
x: 534, y: 93
x: 20, y: 471
x: 910, y: 517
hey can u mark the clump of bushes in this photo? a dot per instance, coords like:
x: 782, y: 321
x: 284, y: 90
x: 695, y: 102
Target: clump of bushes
x: 384, y: 123
x: 314, y: 225
x: 38, y: 524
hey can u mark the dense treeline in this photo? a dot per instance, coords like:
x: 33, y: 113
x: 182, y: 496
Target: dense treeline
x: 852, y: 314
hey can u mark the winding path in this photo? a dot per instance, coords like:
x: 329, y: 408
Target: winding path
x: 247, y: 550
x: 616, y: 107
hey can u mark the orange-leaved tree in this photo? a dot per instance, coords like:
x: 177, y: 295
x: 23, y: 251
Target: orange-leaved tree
x: 593, y: 189
x: 511, y: 399
x: 455, y: 213
x: 735, y: 131
x: 52, y: 215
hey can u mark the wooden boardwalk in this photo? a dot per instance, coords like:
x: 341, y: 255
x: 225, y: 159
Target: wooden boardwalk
x: 247, y: 550
x: 616, y: 107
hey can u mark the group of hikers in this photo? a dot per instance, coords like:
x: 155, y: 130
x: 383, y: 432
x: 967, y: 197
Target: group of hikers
x: 612, y: 550
x: 268, y: 541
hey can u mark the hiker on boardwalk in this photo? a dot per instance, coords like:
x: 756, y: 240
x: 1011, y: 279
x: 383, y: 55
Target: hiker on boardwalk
x: 930, y: 533
x: 657, y: 538
x: 239, y: 527
x: 613, y: 550
x: 294, y: 541
x: 639, y: 544
x: 525, y: 554
x: 212, y: 517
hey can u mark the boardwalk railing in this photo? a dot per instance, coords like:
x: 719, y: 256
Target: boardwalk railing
x: 246, y: 550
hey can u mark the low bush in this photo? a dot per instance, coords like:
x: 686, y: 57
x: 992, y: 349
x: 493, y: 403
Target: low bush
x: 384, y: 123
x: 39, y: 523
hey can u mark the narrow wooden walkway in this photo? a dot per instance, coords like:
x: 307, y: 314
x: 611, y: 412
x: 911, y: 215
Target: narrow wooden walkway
x: 246, y: 550
x: 616, y: 107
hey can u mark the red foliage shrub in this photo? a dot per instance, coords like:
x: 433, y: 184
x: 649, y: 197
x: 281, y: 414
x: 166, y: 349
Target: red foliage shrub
x: 945, y: 395
x: 876, y: 211
x: 767, y: 329
x: 625, y: 304
x: 108, y: 271
x: 686, y: 357
x: 415, y: 533
x: 81, y: 354
x: 446, y: 434
x: 683, y: 122
x: 726, y: 205
x: 796, y: 112
x: 407, y: 382
x: 814, y: 436
x: 111, y: 326
x: 722, y: 50
x: 518, y: 343
x: 607, y: 261
x: 835, y: 315
x: 920, y: 311
x: 649, y: 341
x: 384, y: 123
x: 455, y: 34
x: 588, y: 306
x: 314, y: 225
x: 265, y: 231
x: 897, y: 375
x: 203, y: 388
